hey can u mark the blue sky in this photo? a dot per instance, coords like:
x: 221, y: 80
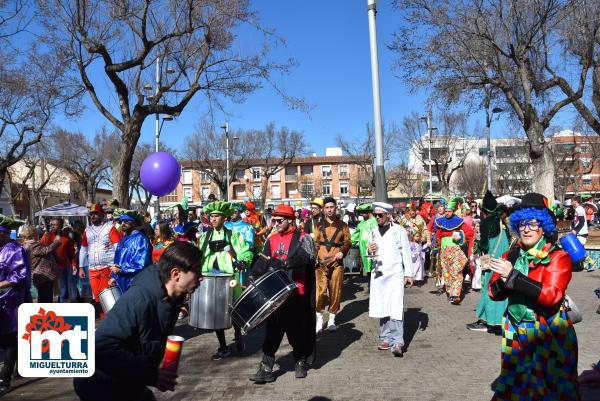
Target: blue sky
x: 330, y: 41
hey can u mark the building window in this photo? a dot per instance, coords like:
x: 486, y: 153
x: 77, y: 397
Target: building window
x: 187, y: 192
x: 327, y: 190
x: 308, y: 188
x: 344, y: 189
x: 586, y: 179
x: 256, y: 174
x: 256, y: 191
x: 186, y: 177
x: 205, y: 192
x: 585, y: 163
x: 240, y: 191
x: 204, y: 177
x: 172, y: 197
x: 343, y: 171
x: 291, y: 173
x: 584, y: 148
x: 326, y: 171
x: 306, y: 170
x: 460, y: 153
x: 292, y: 189
x: 239, y: 175
x: 275, y: 191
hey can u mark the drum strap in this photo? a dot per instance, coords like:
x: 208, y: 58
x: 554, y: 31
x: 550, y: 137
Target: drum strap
x: 227, y: 238
x: 329, y: 242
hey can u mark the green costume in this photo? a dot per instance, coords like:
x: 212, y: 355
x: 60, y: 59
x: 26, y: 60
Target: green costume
x: 362, y: 236
x: 232, y: 248
x: 495, y: 240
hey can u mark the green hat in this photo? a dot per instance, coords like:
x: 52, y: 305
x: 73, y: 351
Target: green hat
x: 9, y: 223
x: 585, y: 197
x: 131, y: 215
x: 453, y: 204
x: 219, y: 207
x: 364, y: 208
x: 240, y: 207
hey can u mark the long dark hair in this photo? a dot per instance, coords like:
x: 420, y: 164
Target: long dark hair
x: 164, y: 231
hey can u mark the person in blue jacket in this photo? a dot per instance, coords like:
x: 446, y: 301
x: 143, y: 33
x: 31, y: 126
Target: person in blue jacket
x: 131, y: 340
x: 133, y: 251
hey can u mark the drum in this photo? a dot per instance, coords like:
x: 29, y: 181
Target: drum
x: 261, y: 298
x: 209, y: 306
x: 109, y: 297
x: 352, y: 262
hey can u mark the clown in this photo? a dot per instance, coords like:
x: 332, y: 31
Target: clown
x: 451, y: 235
x: 236, y: 223
x: 224, y: 251
x: 413, y: 223
x: 539, y: 345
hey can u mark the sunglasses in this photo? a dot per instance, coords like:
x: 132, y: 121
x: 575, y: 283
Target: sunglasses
x: 379, y: 215
x: 532, y: 225
x: 277, y: 221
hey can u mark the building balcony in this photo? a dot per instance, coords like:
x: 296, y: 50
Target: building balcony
x: 293, y: 177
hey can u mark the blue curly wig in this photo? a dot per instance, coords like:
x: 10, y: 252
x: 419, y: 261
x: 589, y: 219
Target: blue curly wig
x: 529, y: 213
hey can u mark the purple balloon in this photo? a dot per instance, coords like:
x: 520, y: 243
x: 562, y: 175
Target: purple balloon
x: 160, y: 173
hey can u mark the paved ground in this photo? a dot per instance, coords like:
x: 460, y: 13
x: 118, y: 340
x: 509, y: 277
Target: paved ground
x: 444, y: 361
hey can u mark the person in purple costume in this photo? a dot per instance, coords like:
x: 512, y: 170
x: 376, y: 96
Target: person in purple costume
x: 15, y: 285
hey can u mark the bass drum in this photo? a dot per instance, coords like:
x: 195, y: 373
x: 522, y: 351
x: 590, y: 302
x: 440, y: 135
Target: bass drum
x: 352, y: 261
x: 261, y: 298
x: 209, y: 304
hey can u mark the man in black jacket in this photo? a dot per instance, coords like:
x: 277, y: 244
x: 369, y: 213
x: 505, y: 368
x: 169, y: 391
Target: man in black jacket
x: 130, y: 342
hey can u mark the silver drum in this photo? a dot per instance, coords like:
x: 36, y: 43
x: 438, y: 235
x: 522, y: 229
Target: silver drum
x: 109, y: 297
x: 352, y: 261
x: 209, y: 306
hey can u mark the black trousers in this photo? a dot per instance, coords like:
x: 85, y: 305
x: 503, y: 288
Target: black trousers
x: 8, y: 342
x: 45, y: 292
x: 296, y: 319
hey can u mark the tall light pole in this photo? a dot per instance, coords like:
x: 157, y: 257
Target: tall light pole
x: 430, y: 129
x: 380, y: 185
x: 226, y: 128
x: 489, y: 115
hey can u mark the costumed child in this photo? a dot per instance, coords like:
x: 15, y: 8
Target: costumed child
x: 418, y: 259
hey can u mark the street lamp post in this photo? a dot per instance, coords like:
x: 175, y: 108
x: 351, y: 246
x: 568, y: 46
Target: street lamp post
x: 488, y: 120
x: 226, y: 128
x: 380, y: 185
x: 430, y: 129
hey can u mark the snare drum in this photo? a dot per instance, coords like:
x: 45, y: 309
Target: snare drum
x: 209, y: 305
x: 261, y: 298
x: 109, y: 297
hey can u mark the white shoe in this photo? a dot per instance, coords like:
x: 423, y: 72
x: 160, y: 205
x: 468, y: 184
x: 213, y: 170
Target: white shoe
x: 319, y: 322
x: 331, y: 323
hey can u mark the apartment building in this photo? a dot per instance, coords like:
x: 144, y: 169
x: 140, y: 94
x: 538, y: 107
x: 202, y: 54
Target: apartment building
x: 345, y: 178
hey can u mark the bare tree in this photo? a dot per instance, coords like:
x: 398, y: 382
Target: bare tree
x: 89, y: 161
x: 191, y: 43
x: 361, y: 151
x: 33, y: 84
x: 206, y: 151
x: 450, y: 145
x: 274, y: 151
x: 472, y: 178
x: 460, y: 49
x: 310, y: 187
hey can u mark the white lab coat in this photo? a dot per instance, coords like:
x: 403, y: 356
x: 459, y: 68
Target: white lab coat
x: 386, y: 296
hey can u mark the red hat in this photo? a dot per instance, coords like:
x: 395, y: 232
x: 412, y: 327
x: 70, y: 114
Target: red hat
x: 250, y: 205
x: 284, y: 211
x: 96, y: 208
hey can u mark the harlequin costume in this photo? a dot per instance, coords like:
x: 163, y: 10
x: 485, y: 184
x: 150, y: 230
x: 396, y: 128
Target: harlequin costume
x: 98, y: 246
x: 16, y: 271
x: 241, y: 226
x: 294, y: 251
x: 254, y: 219
x: 539, y: 345
x: 413, y: 225
x: 452, y: 258
x: 224, y: 251
x: 362, y: 235
x: 133, y: 252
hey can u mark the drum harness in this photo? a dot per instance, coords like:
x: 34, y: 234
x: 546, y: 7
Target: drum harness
x: 219, y: 246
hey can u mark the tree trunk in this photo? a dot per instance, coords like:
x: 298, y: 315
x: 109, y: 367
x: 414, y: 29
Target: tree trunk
x: 121, y: 165
x: 542, y: 160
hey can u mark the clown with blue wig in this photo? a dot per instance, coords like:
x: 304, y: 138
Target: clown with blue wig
x: 539, y: 345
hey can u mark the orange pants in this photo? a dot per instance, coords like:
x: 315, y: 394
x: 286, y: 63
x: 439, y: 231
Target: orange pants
x: 329, y: 280
x: 99, y: 281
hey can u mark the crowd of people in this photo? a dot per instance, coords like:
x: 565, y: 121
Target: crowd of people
x: 511, y: 256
